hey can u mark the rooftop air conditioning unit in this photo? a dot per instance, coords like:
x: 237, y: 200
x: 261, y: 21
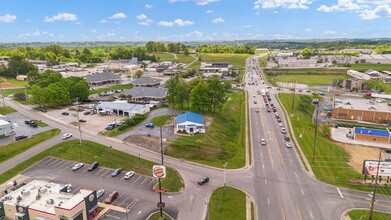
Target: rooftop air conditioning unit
x: 49, y: 201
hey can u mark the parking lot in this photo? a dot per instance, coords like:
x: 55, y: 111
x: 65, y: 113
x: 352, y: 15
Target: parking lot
x: 135, y: 195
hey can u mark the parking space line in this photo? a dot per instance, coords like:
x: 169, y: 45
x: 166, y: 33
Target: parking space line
x: 138, y: 178
x: 151, y: 182
x: 104, y: 173
x: 146, y: 178
x: 54, y: 161
x: 123, y: 202
x: 49, y: 160
x: 85, y: 170
x: 99, y: 171
x: 132, y: 204
x: 58, y: 164
x: 65, y: 164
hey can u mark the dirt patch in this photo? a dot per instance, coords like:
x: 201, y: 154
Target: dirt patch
x: 360, y: 153
x: 208, y: 121
x: 146, y: 142
x: 6, y: 84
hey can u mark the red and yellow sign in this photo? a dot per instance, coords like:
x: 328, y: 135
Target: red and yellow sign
x: 159, y: 171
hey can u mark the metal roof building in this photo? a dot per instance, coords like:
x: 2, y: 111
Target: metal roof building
x: 190, y: 122
x: 102, y: 78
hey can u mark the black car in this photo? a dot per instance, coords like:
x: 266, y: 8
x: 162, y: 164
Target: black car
x: 87, y: 113
x: 43, y: 110
x: 33, y: 124
x: 27, y: 122
x: 65, y: 113
x: 116, y: 172
x: 82, y: 120
x: 110, y: 127
x: 20, y: 137
x: 93, y: 166
x: 203, y: 180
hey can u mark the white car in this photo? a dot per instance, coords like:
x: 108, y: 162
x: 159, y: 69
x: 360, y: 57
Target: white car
x: 77, y: 166
x: 128, y: 175
x: 263, y: 141
x: 99, y: 193
x: 66, y: 136
x: 288, y: 145
x: 283, y: 130
x: 280, y: 125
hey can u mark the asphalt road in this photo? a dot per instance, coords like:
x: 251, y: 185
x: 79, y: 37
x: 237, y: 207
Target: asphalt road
x: 276, y: 180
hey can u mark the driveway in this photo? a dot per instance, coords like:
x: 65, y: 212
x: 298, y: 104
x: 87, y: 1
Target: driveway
x: 141, y: 130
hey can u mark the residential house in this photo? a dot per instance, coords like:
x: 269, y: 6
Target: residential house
x: 146, y: 82
x: 146, y: 94
x: 98, y: 79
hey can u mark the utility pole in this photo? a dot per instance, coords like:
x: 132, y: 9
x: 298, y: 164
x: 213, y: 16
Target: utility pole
x: 2, y: 95
x: 160, y: 184
x: 293, y: 97
x: 316, y: 132
x: 78, y: 122
x: 374, y: 188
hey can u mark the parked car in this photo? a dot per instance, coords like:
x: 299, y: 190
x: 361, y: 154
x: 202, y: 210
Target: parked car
x: 283, y: 130
x: 263, y: 141
x: 116, y: 172
x: 27, y: 122
x: 65, y: 113
x: 99, y: 193
x: 113, y: 195
x: 20, y: 137
x: 149, y: 125
x: 110, y: 127
x: 203, y: 180
x: 66, y: 136
x: 87, y: 113
x: 82, y: 120
x: 93, y: 166
x: 77, y: 166
x: 288, y: 145
x: 69, y: 187
x: 43, y: 110
x: 33, y: 124
x: 128, y: 175
x: 256, y: 110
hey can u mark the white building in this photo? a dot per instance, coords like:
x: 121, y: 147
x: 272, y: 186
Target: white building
x: 190, y: 122
x: 6, y: 128
x: 122, y: 108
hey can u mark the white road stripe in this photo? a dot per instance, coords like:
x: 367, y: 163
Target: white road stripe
x: 339, y: 191
x: 291, y: 161
x: 268, y: 201
x: 263, y: 166
x: 144, y: 180
x: 265, y: 181
x: 302, y: 192
x: 295, y: 174
x: 311, y: 215
x: 261, y: 154
x: 104, y: 173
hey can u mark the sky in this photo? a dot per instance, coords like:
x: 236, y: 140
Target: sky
x: 191, y: 20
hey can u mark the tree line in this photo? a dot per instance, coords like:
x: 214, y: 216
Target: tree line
x: 198, y: 95
x: 225, y: 49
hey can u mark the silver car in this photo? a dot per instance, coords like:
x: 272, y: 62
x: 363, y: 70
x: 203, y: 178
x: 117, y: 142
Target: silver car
x: 77, y: 166
x: 263, y: 141
x: 283, y: 130
x: 288, y: 144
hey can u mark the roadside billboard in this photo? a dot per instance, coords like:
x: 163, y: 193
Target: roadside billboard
x: 370, y: 168
x: 159, y: 171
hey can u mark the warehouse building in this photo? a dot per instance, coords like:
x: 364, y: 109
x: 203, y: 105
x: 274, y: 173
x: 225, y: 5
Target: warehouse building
x: 122, y: 108
x: 368, y: 110
x: 368, y: 134
x: 41, y: 200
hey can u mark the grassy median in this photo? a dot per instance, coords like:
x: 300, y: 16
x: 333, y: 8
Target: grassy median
x: 224, y: 141
x: 161, y: 120
x: 6, y: 110
x: 89, y: 152
x: 364, y: 214
x: 227, y: 203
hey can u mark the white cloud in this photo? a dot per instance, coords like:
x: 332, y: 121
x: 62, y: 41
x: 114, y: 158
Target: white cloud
x: 146, y: 22
x: 218, y: 20
x: 7, y: 18
x: 141, y: 17
x: 308, y: 30
x: 198, y: 2
x: 165, y: 23
x: 118, y: 16
x: 379, y: 11
x: 103, y: 21
x: 282, y: 36
x: 174, y: 1
x: 194, y: 34
x: 30, y: 34
x: 293, y: 4
x: 342, y: 5
x: 330, y: 32
x: 209, y: 11
x: 147, y: 6
x: 93, y: 31
x: 246, y: 26
x: 106, y: 36
x: 61, y: 17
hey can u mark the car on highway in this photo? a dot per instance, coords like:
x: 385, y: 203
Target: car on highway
x: 128, y: 175
x: 288, y: 144
x: 287, y: 138
x: 255, y: 102
x: 149, y: 125
x: 278, y: 119
x: 263, y: 141
x: 99, y: 193
x: 283, y: 130
x: 116, y: 172
x: 93, y: 166
x: 65, y: 113
x: 256, y: 110
x: 66, y: 136
x: 280, y: 125
x: 77, y: 166
x: 110, y: 199
x: 203, y: 180
x: 20, y: 137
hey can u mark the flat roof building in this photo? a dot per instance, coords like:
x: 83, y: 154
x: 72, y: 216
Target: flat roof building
x: 46, y: 201
x: 369, y: 134
x: 215, y: 67
x: 146, y: 94
x: 122, y: 108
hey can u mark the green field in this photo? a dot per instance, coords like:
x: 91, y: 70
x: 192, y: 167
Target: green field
x: 237, y: 60
x: 13, y: 81
x: 330, y: 161
x: 164, y: 57
x: 227, y: 203
x: 367, y: 66
x: 90, y: 152
x: 161, y: 120
x: 311, y: 80
x: 185, y: 59
x: 121, y: 86
x: 364, y: 214
x: 7, y: 92
x: 15, y: 148
x: 223, y: 142
x: 6, y: 110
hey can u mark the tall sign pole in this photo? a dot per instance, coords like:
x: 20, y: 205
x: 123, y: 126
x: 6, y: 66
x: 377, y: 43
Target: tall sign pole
x: 374, y: 188
x: 159, y: 171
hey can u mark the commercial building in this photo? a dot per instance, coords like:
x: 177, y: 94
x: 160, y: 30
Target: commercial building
x: 353, y: 84
x: 40, y: 200
x: 6, y: 128
x: 146, y: 82
x: 122, y: 108
x: 98, y: 79
x: 369, y: 110
x: 146, y: 94
x: 293, y: 62
x: 190, y: 122
x: 369, y: 134
x: 215, y: 67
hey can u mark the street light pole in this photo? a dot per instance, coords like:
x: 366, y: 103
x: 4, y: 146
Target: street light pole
x: 374, y: 188
x: 293, y: 97
x: 316, y: 132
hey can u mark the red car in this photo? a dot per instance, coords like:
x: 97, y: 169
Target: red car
x: 287, y: 138
x: 113, y: 195
x: 278, y: 119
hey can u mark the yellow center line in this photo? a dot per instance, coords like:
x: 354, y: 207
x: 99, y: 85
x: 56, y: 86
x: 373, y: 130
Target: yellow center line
x: 264, y: 132
x: 298, y: 213
x: 283, y: 213
x: 278, y: 148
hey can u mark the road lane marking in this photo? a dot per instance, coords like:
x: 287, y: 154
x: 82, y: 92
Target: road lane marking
x: 278, y: 148
x: 340, y: 193
x: 268, y: 201
x: 312, y: 217
x: 104, y: 173
x: 290, y: 160
x: 268, y: 148
x: 302, y: 192
x: 283, y: 213
x: 295, y: 174
x: 298, y: 213
x: 263, y: 166
x: 265, y: 181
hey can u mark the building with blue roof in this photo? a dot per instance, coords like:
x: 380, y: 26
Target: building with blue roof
x: 369, y: 134
x: 190, y: 122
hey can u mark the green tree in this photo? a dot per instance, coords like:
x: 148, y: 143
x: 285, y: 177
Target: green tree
x: 138, y: 73
x: 199, y: 99
x: 182, y: 93
x: 38, y: 95
x: 57, y: 95
x: 216, y: 94
x: 171, y: 85
x: 17, y: 65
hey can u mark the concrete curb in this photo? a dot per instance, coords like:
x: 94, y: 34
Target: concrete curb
x: 303, y: 160
x: 150, y: 215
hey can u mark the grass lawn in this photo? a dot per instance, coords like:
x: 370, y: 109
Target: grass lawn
x: 224, y: 140
x: 185, y: 59
x: 237, y: 60
x: 40, y: 123
x: 91, y: 151
x: 161, y: 120
x: 96, y: 91
x: 227, y: 203
x: 156, y: 216
x: 117, y: 131
x: 18, y: 147
x: 367, y: 66
x: 311, y: 80
x: 121, y: 86
x: 13, y: 82
x: 164, y: 57
x: 6, y: 110
x: 7, y: 92
x: 331, y: 160
x: 364, y: 214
